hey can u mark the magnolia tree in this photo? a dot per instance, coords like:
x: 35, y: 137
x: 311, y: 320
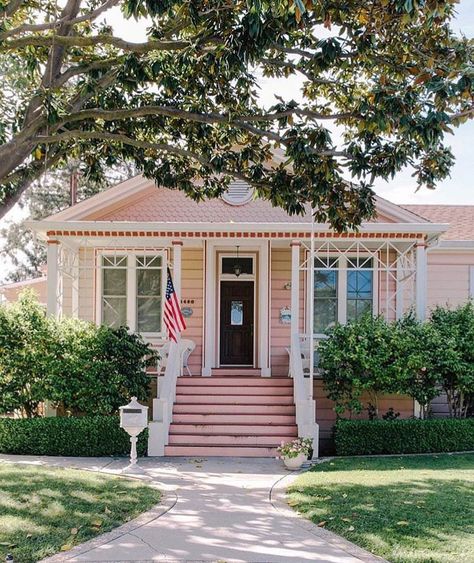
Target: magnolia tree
x: 382, y: 82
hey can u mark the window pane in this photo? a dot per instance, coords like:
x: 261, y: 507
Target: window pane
x: 149, y: 314
x: 325, y: 283
x: 237, y: 313
x: 114, y: 311
x: 325, y: 293
x: 149, y: 282
x: 359, y: 284
x: 246, y: 265
x: 114, y: 281
x: 359, y: 287
x: 325, y: 314
x: 148, y: 298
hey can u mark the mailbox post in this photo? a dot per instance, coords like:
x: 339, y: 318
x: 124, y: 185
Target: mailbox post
x: 133, y: 419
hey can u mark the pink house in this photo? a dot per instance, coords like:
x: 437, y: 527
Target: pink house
x: 243, y: 271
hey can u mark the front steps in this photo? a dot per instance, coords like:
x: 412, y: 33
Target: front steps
x: 231, y: 415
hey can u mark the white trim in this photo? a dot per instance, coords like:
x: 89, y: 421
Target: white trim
x: 41, y: 227
x: 392, y: 210
x: 212, y: 280
x: 471, y: 282
x: 53, y: 279
x: 131, y: 278
x: 421, y: 281
x: 103, y: 200
x: 221, y: 277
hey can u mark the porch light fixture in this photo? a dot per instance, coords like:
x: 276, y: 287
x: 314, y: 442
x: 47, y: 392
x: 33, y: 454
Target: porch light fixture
x: 237, y: 265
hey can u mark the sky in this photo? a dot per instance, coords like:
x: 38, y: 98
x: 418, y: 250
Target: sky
x: 456, y: 190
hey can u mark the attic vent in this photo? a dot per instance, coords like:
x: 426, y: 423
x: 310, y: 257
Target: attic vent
x: 238, y: 193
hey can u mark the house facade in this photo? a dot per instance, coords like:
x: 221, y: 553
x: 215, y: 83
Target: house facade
x: 244, y: 273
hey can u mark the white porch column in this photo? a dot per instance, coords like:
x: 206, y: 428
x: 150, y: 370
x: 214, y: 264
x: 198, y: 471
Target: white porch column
x: 75, y: 287
x: 53, y: 277
x: 295, y: 286
x: 421, y: 281
x: 177, y: 246
x: 209, y: 307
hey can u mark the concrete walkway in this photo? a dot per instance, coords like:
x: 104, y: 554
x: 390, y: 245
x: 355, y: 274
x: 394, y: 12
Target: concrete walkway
x: 216, y: 509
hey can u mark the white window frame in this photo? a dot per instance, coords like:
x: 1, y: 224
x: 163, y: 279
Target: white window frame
x: 131, y: 269
x: 342, y: 269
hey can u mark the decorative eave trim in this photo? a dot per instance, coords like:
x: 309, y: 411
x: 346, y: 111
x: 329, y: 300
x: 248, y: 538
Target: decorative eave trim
x: 46, y: 229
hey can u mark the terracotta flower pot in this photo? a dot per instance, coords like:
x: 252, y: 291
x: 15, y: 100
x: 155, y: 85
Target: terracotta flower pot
x: 294, y: 463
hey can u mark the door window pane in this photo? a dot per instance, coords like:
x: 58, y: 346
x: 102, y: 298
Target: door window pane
x: 325, y: 293
x: 149, y: 272
x: 114, y: 291
x: 359, y: 287
x: 246, y: 265
x: 237, y: 313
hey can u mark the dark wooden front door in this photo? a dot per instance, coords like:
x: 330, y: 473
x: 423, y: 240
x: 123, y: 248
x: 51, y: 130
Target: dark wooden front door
x: 237, y: 314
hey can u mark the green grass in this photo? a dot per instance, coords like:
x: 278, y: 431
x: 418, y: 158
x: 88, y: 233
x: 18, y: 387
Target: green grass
x: 44, y: 511
x: 405, y: 509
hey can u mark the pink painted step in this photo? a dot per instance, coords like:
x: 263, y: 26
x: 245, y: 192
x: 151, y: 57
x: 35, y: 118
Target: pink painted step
x: 219, y: 451
x: 228, y: 390
x: 239, y: 381
x: 233, y: 418
x: 227, y: 440
x: 241, y: 372
x: 221, y: 409
x: 234, y: 399
x: 234, y: 429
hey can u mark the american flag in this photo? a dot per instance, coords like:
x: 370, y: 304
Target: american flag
x: 174, y: 319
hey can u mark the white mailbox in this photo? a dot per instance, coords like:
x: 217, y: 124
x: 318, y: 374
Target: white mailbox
x: 133, y: 419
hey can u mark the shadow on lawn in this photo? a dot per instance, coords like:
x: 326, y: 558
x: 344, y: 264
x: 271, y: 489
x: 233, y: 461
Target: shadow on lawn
x: 43, y: 510
x: 413, y: 519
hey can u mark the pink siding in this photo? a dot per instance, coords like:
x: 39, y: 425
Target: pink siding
x: 448, y: 277
x: 38, y: 285
x: 192, y: 287
x: 280, y: 297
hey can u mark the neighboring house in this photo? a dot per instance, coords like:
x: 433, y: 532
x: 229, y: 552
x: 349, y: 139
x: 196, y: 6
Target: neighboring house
x: 9, y: 292
x: 107, y: 260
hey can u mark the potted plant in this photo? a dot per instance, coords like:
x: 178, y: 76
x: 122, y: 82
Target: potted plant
x: 295, y: 453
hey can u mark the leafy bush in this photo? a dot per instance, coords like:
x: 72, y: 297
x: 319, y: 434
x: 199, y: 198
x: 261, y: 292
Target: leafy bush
x: 406, y: 357
x: 97, y: 369
x: 364, y: 437
x: 25, y: 355
x: 454, y: 359
x: 67, y: 436
x: 82, y: 367
x: 359, y: 358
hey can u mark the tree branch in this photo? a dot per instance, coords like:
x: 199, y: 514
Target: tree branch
x: 93, y: 41
x: 90, y: 16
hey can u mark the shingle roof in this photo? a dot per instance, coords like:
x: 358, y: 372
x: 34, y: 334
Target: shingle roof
x: 459, y: 217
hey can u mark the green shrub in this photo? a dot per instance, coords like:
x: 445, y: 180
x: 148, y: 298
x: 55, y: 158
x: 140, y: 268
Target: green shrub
x: 454, y: 359
x: 365, y: 437
x: 84, y: 368
x: 67, y: 436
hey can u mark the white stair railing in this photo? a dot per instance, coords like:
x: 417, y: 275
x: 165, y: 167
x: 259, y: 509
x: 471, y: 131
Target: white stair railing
x: 158, y: 430
x: 303, y: 396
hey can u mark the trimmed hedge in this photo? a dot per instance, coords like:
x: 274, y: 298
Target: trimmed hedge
x: 71, y: 436
x: 364, y: 437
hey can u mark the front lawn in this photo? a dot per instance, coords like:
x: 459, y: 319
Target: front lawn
x: 405, y: 509
x: 45, y: 510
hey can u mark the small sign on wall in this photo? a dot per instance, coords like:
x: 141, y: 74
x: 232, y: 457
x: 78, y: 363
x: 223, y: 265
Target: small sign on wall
x: 285, y: 315
x: 187, y: 312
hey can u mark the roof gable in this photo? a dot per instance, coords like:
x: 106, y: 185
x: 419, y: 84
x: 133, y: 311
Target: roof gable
x: 138, y: 199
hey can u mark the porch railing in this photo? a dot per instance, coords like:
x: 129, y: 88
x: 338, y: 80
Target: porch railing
x: 303, y: 395
x: 163, y: 406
